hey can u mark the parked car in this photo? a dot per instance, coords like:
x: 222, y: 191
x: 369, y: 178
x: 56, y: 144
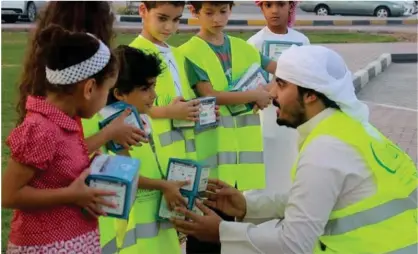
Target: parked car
x: 410, y: 7
x: 11, y: 11
x: 356, y: 8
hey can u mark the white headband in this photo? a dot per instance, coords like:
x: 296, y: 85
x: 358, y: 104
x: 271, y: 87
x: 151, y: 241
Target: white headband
x: 80, y: 71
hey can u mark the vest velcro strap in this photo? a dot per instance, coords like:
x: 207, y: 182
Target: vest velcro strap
x: 222, y: 158
x: 190, y: 146
x: 146, y: 230
x: 169, y: 137
x: 251, y: 158
x: 110, y: 247
x: 411, y: 249
x: 371, y: 216
x: 247, y: 120
x: 226, y: 122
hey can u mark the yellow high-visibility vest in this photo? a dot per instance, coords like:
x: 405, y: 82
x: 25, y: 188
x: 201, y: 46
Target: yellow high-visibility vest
x: 385, y: 222
x: 170, y: 142
x: 235, y: 149
x: 141, y: 233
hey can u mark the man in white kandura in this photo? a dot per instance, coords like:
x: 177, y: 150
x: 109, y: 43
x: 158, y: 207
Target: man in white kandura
x: 353, y: 190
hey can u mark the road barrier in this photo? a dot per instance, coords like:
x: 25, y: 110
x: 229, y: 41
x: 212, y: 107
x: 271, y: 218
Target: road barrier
x: 261, y: 22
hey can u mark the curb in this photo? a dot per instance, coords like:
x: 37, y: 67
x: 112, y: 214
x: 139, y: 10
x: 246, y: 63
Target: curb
x: 405, y: 58
x: 363, y: 76
x: 262, y: 22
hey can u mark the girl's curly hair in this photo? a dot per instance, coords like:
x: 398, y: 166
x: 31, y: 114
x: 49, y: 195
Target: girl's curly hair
x: 95, y: 17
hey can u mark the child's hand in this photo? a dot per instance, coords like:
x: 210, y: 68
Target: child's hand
x: 125, y: 134
x: 172, y: 195
x: 218, y: 114
x: 263, y: 97
x: 185, y: 110
x: 89, y: 198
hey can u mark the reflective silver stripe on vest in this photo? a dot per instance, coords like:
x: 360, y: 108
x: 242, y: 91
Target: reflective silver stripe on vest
x: 222, y: 158
x: 110, y: 247
x: 411, y: 249
x: 371, y: 216
x: 147, y: 230
x: 247, y: 120
x: 169, y: 137
x: 251, y: 157
x: 190, y: 146
x: 226, y: 122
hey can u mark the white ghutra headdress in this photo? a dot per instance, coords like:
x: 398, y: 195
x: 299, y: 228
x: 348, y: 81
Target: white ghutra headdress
x: 80, y: 71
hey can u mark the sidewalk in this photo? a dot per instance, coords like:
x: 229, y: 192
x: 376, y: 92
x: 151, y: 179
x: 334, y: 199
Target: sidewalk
x: 393, y: 107
x: 359, y: 55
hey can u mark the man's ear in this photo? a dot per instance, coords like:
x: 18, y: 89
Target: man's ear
x: 310, y: 97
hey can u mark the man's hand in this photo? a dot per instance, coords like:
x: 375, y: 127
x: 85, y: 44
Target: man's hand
x: 225, y: 198
x: 204, y: 228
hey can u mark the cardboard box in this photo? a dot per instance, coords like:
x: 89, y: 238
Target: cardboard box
x: 251, y: 79
x: 116, y: 173
x: 181, y: 170
x: 207, y: 116
x: 110, y: 112
x: 273, y: 49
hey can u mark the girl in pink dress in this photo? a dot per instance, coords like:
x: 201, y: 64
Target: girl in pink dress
x: 44, y: 181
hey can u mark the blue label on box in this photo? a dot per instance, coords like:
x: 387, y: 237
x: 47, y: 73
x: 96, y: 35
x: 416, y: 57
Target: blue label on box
x: 119, y: 174
x: 182, y: 170
x: 251, y: 79
x: 207, y: 116
x: 110, y: 112
x: 273, y: 49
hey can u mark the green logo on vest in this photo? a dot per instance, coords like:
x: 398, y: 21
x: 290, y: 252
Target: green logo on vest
x: 383, y: 153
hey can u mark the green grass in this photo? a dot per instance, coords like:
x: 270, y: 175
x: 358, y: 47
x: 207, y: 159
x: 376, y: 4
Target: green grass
x: 13, y: 48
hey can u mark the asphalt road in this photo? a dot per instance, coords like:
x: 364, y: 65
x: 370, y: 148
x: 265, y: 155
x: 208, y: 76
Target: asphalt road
x: 137, y: 26
x: 248, y: 10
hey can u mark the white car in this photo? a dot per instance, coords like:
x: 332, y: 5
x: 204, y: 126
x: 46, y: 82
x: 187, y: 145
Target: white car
x: 410, y: 8
x: 11, y: 11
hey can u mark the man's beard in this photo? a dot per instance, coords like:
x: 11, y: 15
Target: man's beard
x: 282, y: 122
x: 299, y: 117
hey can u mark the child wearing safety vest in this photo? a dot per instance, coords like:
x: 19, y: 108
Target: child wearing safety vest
x: 280, y: 142
x: 141, y: 233
x: 216, y: 62
x: 175, y: 99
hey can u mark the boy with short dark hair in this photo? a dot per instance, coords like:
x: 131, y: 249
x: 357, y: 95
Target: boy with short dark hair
x: 217, y: 61
x: 174, y: 96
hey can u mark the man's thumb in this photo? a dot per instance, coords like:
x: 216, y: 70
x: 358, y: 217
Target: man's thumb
x: 224, y: 191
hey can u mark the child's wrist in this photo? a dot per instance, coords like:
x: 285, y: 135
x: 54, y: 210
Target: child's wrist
x: 107, y: 133
x: 68, y: 196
